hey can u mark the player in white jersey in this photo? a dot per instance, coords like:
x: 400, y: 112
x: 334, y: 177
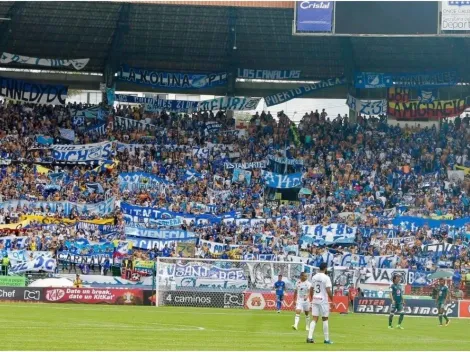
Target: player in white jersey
x: 302, y: 300
x: 320, y: 292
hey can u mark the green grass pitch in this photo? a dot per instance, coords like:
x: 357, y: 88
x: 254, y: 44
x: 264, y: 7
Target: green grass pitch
x: 87, y: 327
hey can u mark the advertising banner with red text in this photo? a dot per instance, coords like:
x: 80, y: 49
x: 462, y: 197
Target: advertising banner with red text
x: 94, y: 296
x: 267, y: 301
x: 464, y: 309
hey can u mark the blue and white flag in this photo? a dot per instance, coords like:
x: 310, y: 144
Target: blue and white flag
x: 192, y: 175
x: 333, y: 233
x: 67, y: 134
x: 78, y: 64
x: 240, y: 175
x: 44, y: 140
x: 83, y: 152
x: 140, y: 180
x: 427, y: 95
x: 292, y: 162
x: 212, y: 128
x: 282, y: 181
x: 97, y: 130
x: 202, y: 153
x: 95, y: 187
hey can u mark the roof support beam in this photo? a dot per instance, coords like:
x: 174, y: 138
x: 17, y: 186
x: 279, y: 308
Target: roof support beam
x: 232, y: 53
x: 347, y: 51
x: 6, y: 25
x: 114, y: 59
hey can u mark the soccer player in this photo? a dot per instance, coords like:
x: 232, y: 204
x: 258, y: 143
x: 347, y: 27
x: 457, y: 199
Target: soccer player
x: 319, y: 294
x: 280, y: 287
x: 301, y: 293
x: 397, y: 302
x: 442, y: 301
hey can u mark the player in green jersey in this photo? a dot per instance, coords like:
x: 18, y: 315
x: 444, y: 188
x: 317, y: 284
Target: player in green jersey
x: 397, y: 302
x: 442, y: 300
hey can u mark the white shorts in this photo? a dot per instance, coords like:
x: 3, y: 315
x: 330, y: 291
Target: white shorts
x: 321, y: 309
x: 302, y: 305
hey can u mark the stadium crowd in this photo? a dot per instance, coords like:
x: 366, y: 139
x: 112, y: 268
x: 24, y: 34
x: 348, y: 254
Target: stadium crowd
x: 363, y: 174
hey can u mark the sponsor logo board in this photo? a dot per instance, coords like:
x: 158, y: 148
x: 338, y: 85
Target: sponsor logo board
x: 417, y: 307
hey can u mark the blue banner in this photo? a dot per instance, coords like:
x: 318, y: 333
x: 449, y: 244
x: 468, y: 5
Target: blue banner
x: 32, y: 92
x: 171, y: 79
x: 326, y: 235
x: 156, y: 104
x: 282, y: 181
x: 413, y: 222
x: 268, y: 74
x: 84, y: 247
x: 137, y: 213
x: 314, y: 16
x: 372, y: 80
x: 83, y: 152
x: 159, y: 234
x: 406, y: 80
x: 427, y: 95
x: 150, y: 243
x: 282, y: 97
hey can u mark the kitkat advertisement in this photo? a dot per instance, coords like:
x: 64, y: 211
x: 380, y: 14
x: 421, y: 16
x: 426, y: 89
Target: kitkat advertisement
x: 94, y: 296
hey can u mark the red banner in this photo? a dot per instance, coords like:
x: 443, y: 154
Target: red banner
x: 267, y: 301
x: 437, y: 109
x: 398, y: 94
x: 94, y: 296
x: 464, y: 309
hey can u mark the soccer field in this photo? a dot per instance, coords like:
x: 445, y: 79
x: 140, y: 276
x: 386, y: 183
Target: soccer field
x: 86, y: 327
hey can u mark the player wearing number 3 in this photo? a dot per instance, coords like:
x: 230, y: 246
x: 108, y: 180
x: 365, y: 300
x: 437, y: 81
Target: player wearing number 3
x: 320, y: 294
x: 302, y: 301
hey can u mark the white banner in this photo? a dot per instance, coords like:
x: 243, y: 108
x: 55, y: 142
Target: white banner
x: 382, y: 276
x: 246, y: 166
x: 455, y: 16
x: 83, y: 152
x: 456, y: 175
x: 38, y: 264
x: 129, y: 123
x: 77, y: 64
x: 367, y: 107
x: 229, y: 103
x: 396, y: 241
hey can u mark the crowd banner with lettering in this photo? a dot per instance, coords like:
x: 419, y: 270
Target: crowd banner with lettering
x: 375, y: 276
x: 77, y: 64
x: 126, y: 123
x: 38, y: 264
x: 398, y: 94
x: 215, y: 247
x: 283, y: 160
x: 436, y: 109
x: 101, y: 208
x: 455, y: 16
x: 314, y: 16
x: 210, y: 275
x: 367, y: 107
x: 426, y: 79
x: 246, y: 166
x: 148, y: 243
x: 140, y: 180
x: 372, y: 80
x: 230, y: 103
x: 83, y: 152
x: 159, y: 234
x: 268, y: 74
x: 332, y: 233
x: 32, y: 92
x: 282, y: 181
x: 287, y: 95
x: 172, y: 105
x: 413, y: 222
x: 406, y: 80
x: 78, y: 258
x: 171, y: 79
x: 139, y: 213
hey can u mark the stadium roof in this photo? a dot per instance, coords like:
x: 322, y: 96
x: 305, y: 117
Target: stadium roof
x: 195, y: 38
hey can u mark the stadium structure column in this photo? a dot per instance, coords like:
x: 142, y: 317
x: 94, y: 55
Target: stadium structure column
x: 232, y: 53
x: 347, y: 52
x: 6, y: 25
x: 114, y: 58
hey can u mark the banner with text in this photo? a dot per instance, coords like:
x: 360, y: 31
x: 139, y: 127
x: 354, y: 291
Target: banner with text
x: 436, y: 109
x: 314, y: 16
x: 282, y: 181
x: 171, y: 79
x: 83, y: 152
x: 230, y: 103
x: 31, y: 92
x: 333, y: 233
x: 77, y: 64
x: 268, y: 74
x: 367, y: 107
x: 287, y: 95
